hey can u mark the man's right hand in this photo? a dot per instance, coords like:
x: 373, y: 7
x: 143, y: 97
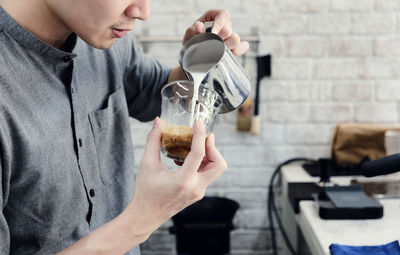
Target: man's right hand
x: 161, y: 193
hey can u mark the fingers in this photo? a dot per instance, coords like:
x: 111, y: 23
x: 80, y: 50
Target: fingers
x: 197, y: 150
x: 241, y: 49
x: 196, y: 28
x: 222, y: 26
x: 226, y: 32
x: 216, y: 163
x: 153, y: 144
x: 233, y: 41
x: 221, y: 19
x: 212, y: 153
x: 190, y: 32
x: 199, y: 26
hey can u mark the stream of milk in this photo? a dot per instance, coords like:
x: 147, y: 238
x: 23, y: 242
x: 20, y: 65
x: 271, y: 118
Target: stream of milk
x: 198, y: 72
x: 198, y: 60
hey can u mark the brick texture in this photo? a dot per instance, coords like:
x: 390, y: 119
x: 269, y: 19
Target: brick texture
x: 332, y: 61
x: 388, y: 5
x: 287, y: 68
x: 387, y: 46
x: 373, y: 23
x: 336, y: 69
x: 302, y: 5
x: 307, y: 47
x: 284, y: 24
x: 376, y: 113
x: 353, y: 91
x: 354, y: 5
x: 388, y: 91
x: 350, y: 47
x: 328, y: 24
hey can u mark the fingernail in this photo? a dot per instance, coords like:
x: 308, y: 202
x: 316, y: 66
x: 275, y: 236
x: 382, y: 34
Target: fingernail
x: 214, y: 30
x: 156, y: 122
x: 201, y: 24
x: 212, y: 137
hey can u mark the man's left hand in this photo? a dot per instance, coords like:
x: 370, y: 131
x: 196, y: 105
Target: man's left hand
x: 222, y: 27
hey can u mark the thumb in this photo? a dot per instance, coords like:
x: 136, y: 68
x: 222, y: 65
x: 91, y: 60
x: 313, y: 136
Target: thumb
x: 196, y: 28
x: 200, y: 28
x: 216, y: 163
x: 153, y: 144
x: 197, y: 150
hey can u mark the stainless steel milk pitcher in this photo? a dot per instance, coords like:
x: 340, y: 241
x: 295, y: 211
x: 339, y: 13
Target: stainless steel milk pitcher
x: 221, y: 71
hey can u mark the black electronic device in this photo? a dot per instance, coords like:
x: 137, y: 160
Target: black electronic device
x: 347, y: 202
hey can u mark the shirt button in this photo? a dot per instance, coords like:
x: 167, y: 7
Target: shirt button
x: 67, y: 59
x: 91, y: 193
x: 80, y: 142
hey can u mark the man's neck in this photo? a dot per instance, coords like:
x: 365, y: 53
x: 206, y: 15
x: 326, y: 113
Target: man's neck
x: 36, y: 17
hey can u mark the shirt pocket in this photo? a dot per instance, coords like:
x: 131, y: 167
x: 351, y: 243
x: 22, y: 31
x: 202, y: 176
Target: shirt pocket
x: 111, y: 134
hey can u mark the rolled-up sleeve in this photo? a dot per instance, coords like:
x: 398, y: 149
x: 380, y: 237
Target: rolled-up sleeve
x: 143, y: 79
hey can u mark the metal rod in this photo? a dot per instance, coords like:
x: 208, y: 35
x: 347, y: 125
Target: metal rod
x: 173, y: 39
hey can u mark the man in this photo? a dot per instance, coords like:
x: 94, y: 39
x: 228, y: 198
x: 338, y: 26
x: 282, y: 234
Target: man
x: 67, y: 182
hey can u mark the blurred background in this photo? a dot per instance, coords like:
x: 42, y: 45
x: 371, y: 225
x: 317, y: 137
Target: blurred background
x: 333, y: 61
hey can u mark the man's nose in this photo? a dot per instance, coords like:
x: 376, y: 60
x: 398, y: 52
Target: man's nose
x: 139, y: 9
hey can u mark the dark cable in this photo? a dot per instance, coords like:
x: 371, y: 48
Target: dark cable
x: 271, y: 227
x: 273, y: 211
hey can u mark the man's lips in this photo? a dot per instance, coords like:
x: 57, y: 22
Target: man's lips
x: 119, y: 32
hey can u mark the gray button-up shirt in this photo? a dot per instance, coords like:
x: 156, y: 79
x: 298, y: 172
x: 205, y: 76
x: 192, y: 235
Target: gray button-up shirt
x: 66, y: 157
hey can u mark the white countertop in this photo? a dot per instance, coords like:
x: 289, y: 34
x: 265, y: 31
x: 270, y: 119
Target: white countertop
x: 320, y: 233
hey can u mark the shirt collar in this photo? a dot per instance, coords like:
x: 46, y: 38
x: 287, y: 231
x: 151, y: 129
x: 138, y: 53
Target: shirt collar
x: 30, y: 41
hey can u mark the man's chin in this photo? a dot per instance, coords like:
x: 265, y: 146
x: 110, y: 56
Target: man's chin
x: 100, y: 43
x: 103, y: 45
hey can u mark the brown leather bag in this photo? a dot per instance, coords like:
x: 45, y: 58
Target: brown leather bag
x: 352, y: 142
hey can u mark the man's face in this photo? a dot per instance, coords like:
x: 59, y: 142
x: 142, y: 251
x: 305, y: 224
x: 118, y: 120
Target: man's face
x: 100, y: 22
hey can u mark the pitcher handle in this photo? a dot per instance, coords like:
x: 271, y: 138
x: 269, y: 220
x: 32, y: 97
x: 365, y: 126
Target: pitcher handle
x: 208, y: 25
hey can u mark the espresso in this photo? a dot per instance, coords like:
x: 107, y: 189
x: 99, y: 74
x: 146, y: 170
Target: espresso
x: 176, y: 141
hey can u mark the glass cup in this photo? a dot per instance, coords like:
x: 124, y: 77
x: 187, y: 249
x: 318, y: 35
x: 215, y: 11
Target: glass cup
x: 179, y: 110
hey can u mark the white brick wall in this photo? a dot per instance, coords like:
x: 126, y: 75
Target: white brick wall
x: 284, y: 24
x: 350, y: 47
x: 353, y: 91
x: 309, y: 91
x: 383, y: 68
x: 333, y: 113
x: 388, y: 91
x: 302, y: 5
x: 285, y: 112
x: 387, y: 46
x: 376, y: 112
x: 388, y: 5
x: 307, y: 47
x: 367, y: 24
x: 308, y: 133
x: 336, y: 69
x: 329, y: 23
x: 333, y: 61
x: 352, y: 6
x: 291, y: 68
